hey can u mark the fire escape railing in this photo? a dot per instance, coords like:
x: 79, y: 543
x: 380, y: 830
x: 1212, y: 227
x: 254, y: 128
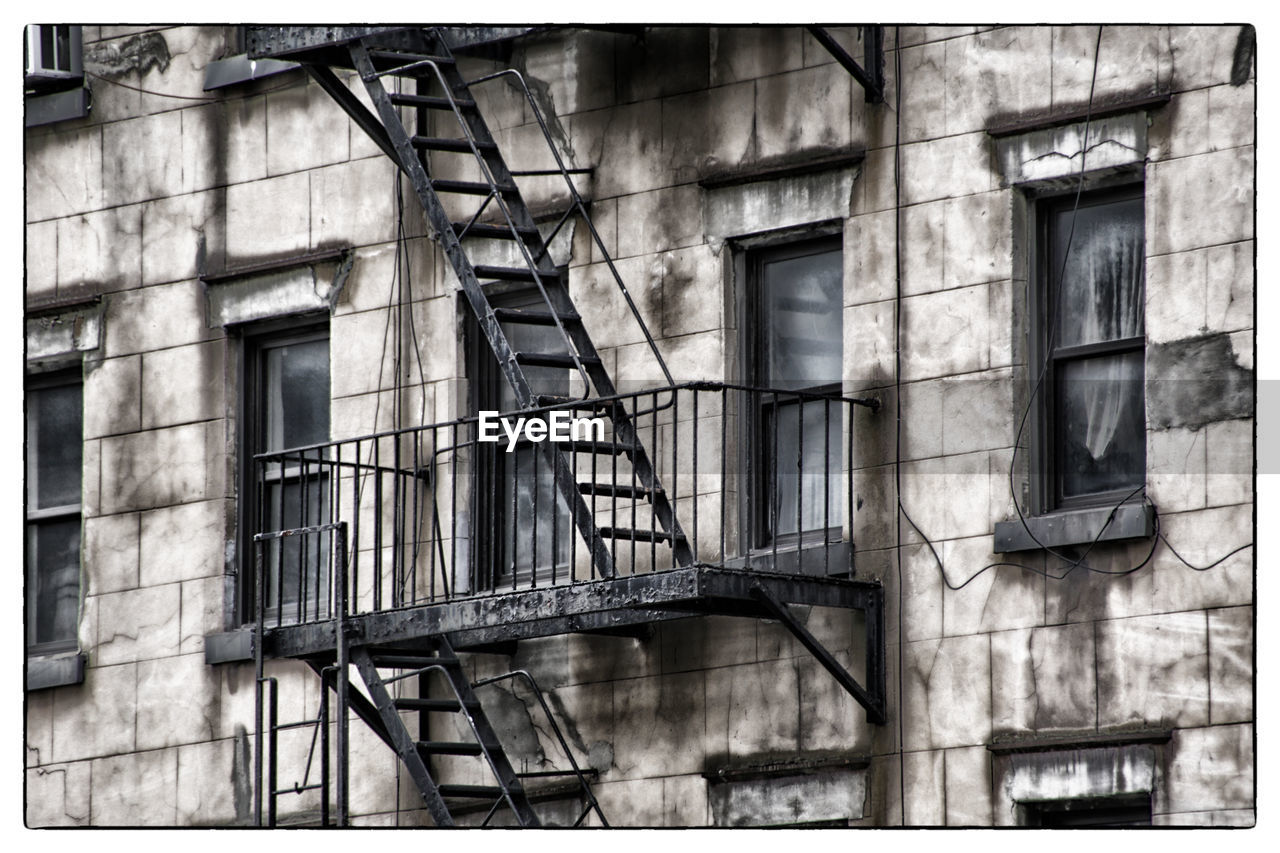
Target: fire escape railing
x: 462, y: 509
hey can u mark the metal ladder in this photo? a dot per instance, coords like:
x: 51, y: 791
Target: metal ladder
x: 507, y: 789
x: 441, y: 90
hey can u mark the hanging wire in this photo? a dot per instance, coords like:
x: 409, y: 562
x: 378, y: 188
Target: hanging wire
x: 897, y: 396
x: 290, y: 85
x: 1071, y: 563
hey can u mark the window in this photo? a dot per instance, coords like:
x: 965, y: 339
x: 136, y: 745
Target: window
x: 516, y: 491
x: 53, y: 81
x: 795, y: 323
x: 52, y: 56
x: 54, y: 455
x: 1092, y: 425
x: 1098, y: 812
x: 286, y: 407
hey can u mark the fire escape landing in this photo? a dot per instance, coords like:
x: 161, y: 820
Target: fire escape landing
x: 393, y: 551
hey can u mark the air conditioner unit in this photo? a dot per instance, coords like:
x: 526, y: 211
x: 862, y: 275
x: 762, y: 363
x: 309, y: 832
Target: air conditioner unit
x: 52, y: 54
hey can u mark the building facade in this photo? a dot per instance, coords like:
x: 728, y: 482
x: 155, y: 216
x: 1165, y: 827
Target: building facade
x: 911, y: 480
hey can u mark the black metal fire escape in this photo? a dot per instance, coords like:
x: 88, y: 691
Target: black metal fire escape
x: 470, y: 195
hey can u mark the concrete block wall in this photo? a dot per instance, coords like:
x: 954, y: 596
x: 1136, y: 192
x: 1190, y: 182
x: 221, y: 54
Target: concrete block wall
x: 149, y: 193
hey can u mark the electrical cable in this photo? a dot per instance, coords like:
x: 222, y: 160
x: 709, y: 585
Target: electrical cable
x: 1078, y: 562
x: 1056, y: 310
x: 897, y: 396
x: 108, y: 80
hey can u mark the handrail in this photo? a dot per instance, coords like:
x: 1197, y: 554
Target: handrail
x: 692, y: 385
x: 494, y: 193
x: 592, y: 803
x: 581, y: 206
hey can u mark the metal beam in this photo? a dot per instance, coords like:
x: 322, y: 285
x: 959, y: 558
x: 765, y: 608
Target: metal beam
x: 360, y: 114
x: 872, y: 77
x: 557, y: 609
x: 875, y: 709
x: 297, y: 42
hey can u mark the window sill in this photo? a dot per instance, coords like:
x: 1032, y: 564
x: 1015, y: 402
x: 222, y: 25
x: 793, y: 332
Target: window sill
x: 813, y: 559
x: 1075, y: 527
x: 58, y: 670
x: 235, y: 70
x: 229, y: 647
x: 39, y: 110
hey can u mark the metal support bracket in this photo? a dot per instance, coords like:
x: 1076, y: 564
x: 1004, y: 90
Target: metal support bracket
x: 872, y: 700
x: 872, y: 75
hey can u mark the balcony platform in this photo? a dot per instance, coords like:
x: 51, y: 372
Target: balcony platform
x: 591, y: 606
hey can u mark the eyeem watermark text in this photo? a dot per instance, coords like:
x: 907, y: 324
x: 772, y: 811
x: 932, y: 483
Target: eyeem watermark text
x: 560, y: 427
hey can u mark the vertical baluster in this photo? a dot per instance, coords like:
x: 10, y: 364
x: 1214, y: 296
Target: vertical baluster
x: 800, y: 404
x: 774, y: 489
x: 533, y: 562
x: 826, y: 487
x: 696, y: 491
x: 377, y: 524
x: 724, y: 471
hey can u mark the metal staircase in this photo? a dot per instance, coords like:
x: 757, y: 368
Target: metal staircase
x: 381, y: 669
x: 487, y: 208
x: 414, y: 75
x: 427, y: 118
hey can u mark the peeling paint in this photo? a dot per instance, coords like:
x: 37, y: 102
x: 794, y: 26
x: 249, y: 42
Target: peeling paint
x: 1197, y: 381
x: 140, y: 53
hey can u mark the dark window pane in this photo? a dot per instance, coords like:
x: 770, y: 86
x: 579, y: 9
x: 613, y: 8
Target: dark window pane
x: 297, y: 404
x: 53, y: 581
x: 1101, y: 424
x: 802, y: 301
x: 805, y: 476
x: 298, y: 574
x: 524, y: 337
x: 1119, y: 811
x: 1102, y: 286
x: 528, y: 474
x: 55, y: 435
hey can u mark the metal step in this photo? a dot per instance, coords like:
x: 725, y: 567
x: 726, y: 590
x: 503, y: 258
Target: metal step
x: 576, y: 404
x: 637, y: 535
x: 430, y: 102
x: 470, y: 187
x: 552, y: 359
x: 444, y: 747
x: 487, y: 792
x: 495, y: 232
x: 391, y: 59
x: 410, y: 662
x: 451, y: 143
x: 534, y: 317
x: 511, y: 274
x: 444, y: 706
x: 605, y: 448
x: 613, y: 490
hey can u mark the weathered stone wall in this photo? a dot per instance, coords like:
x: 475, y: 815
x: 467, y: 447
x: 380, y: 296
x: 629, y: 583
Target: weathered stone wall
x: 149, y: 193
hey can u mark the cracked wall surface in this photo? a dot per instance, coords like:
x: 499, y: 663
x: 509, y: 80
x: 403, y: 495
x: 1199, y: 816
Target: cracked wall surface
x: 165, y: 184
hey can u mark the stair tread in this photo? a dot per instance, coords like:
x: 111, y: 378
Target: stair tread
x: 445, y: 747
x: 407, y: 58
x: 553, y: 359
x: 411, y: 661
x: 469, y: 187
x: 617, y: 491
x: 534, y: 317
x: 450, y: 790
x: 496, y: 232
x: 435, y: 102
x: 419, y: 703
x: 638, y: 535
x: 452, y: 143
x: 512, y: 274
x: 578, y: 446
